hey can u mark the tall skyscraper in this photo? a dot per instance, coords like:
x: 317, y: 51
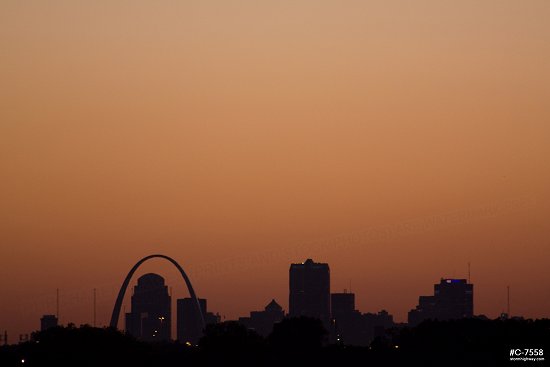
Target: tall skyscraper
x: 150, y: 318
x: 310, y: 290
x: 346, y: 326
x: 188, y: 328
x: 452, y: 299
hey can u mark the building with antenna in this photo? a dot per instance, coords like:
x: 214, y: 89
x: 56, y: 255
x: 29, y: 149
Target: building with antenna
x: 452, y: 299
x: 47, y: 322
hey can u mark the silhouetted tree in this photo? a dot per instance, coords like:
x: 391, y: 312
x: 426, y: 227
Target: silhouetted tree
x: 297, y: 341
x: 84, y: 346
x: 465, y: 342
x: 231, y: 343
x: 298, y: 333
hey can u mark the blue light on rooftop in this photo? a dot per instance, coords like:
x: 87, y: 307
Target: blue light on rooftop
x: 454, y: 280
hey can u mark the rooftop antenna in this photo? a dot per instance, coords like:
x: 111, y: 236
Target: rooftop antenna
x: 350, y: 286
x: 508, y: 296
x: 469, y: 280
x: 95, y: 303
x: 57, y: 304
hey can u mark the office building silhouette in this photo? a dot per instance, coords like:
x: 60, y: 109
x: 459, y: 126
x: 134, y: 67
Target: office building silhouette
x: 377, y: 324
x: 150, y: 317
x: 349, y: 326
x: 346, y: 327
x: 342, y: 303
x: 262, y: 321
x: 310, y: 290
x: 188, y: 326
x: 48, y: 321
x: 452, y: 299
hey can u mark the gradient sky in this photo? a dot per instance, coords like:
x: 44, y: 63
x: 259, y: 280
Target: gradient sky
x: 395, y: 140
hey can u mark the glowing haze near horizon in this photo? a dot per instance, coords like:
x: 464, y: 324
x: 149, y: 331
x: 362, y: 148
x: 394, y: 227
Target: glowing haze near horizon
x: 241, y: 136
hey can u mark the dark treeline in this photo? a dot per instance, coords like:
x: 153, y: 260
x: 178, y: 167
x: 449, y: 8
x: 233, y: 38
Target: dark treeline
x: 294, y: 341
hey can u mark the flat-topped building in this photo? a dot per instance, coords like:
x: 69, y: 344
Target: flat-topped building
x: 310, y: 290
x: 452, y: 299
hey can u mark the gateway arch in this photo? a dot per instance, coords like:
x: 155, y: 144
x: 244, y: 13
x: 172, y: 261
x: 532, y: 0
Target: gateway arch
x: 118, y: 304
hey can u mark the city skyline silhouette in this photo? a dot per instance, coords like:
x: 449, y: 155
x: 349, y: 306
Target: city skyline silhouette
x: 322, y: 327
x: 424, y: 310
x: 399, y: 142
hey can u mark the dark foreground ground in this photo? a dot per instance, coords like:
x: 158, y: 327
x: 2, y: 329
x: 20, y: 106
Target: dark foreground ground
x: 469, y: 342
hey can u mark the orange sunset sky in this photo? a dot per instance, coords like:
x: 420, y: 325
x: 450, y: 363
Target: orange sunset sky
x: 395, y: 140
